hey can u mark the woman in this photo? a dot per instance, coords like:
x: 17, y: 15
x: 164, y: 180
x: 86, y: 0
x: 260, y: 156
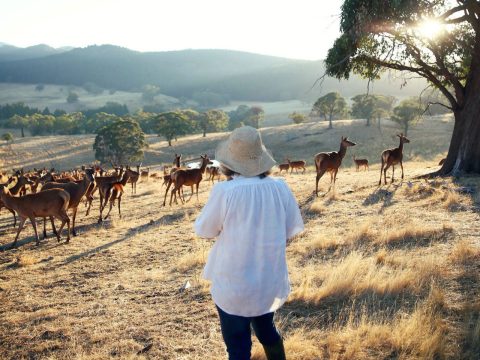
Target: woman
x: 252, y: 216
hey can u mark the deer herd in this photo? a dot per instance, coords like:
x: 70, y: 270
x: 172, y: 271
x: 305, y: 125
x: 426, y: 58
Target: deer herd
x: 52, y: 194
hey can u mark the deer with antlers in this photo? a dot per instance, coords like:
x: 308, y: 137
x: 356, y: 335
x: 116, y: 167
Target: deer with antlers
x: 360, y: 162
x: 51, y: 203
x: 76, y: 190
x: 392, y: 157
x: 187, y: 177
x: 331, y: 161
x: 297, y: 164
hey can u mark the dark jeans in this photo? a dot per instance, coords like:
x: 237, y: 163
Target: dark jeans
x: 237, y: 335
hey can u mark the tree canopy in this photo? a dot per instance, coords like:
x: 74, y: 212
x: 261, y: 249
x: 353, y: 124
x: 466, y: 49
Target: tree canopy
x: 212, y: 120
x: 371, y: 106
x: 406, y: 113
x: 171, y: 124
x: 330, y: 105
x: 438, y: 40
x: 120, y: 142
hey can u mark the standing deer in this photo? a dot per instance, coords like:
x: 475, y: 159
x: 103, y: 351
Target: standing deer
x: 111, y: 192
x: 298, y: 164
x: 392, y: 157
x: 283, y: 167
x: 3, y: 205
x: 331, y: 161
x: 133, y: 177
x: 360, y: 162
x: 51, y: 203
x: 187, y: 177
x: 76, y: 192
x: 213, y: 171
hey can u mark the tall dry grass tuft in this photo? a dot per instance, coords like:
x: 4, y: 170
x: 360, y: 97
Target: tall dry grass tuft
x: 464, y: 252
x: 23, y: 260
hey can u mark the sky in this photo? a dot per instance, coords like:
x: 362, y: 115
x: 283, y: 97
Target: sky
x: 300, y: 29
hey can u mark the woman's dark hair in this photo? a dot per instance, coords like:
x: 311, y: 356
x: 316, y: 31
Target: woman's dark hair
x: 229, y: 173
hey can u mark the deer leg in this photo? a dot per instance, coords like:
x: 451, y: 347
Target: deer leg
x: 34, y: 224
x: 197, y: 191
x: 401, y: 165
x: 381, y: 171
x: 54, y: 229
x: 385, y: 173
x: 20, y: 227
x: 65, y: 219
x: 119, y: 210
x: 74, y: 215
x: 191, y: 193
x: 393, y: 172
x: 304, y: 169
x: 44, y: 228
x: 172, y: 193
x: 14, y: 217
x: 319, y: 175
x: 100, y: 219
x: 166, y: 192
x: 112, y: 199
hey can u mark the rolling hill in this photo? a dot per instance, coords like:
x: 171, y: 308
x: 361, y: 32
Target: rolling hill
x: 238, y: 75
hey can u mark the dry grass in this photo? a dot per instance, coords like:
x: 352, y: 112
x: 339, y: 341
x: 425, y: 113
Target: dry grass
x: 384, y: 272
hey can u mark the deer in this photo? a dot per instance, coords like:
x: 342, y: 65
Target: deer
x: 51, y: 203
x: 331, y: 161
x: 284, y: 166
x: 112, y: 191
x: 101, y: 181
x: 76, y: 190
x: 360, y: 162
x: 145, y: 174
x: 213, y: 171
x: 392, y: 157
x: 188, y: 177
x: 19, y: 187
x: 298, y: 164
x: 3, y: 205
x: 133, y: 177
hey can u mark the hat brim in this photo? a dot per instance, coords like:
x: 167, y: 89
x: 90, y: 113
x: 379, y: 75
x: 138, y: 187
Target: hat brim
x: 247, y: 167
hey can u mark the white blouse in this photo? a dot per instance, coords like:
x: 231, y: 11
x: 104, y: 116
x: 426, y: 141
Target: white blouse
x: 253, y: 218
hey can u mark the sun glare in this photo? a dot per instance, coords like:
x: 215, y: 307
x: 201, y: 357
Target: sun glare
x: 429, y: 29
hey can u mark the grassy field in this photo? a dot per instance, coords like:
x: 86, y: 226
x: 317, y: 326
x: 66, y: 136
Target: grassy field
x: 387, y: 272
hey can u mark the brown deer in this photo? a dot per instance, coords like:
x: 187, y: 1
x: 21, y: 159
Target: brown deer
x: 110, y: 192
x: 102, y: 181
x: 331, y: 161
x: 360, y: 162
x: 187, y: 177
x: 51, y: 203
x: 3, y: 205
x: 213, y: 172
x: 284, y: 167
x: 145, y: 174
x: 298, y: 164
x: 392, y: 157
x: 76, y: 190
x: 133, y: 177
x: 19, y: 187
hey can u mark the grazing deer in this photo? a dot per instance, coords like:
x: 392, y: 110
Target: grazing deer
x: 284, y: 167
x: 51, y: 203
x: 133, y: 177
x: 360, y: 162
x: 187, y: 177
x: 298, y: 164
x: 76, y: 190
x: 392, y: 157
x: 331, y: 161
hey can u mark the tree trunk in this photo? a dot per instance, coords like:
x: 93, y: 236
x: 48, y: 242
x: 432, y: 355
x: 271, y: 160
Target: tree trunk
x: 405, y: 128
x: 169, y: 142
x: 204, y: 132
x: 368, y: 122
x: 464, y: 151
x: 330, y: 125
x: 21, y: 129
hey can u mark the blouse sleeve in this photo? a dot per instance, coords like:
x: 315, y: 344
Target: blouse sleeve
x: 210, y: 221
x: 293, y: 215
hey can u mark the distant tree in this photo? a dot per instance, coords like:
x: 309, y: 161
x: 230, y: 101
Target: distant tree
x: 39, y: 87
x: 238, y: 116
x: 46, y: 111
x: 72, y: 97
x: 255, y: 117
x: 69, y: 124
x: 406, y: 113
x: 111, y: 107
x: 19, y: 108
x: 149, y: 92
x: 371, y: 106
x: 171, y: 125
x: 156, y: 108
x: 59, y: 112
x: 8, y: 137
x: 297, y: 118
x: 330, y: 105
x: 18, y: 122
x: 40, y: 124
x: 120, y: 142
x: 94, y: 123
x: 212, y: 120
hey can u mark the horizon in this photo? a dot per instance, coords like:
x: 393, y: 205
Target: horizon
x: 304, y: 30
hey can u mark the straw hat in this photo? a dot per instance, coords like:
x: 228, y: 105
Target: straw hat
x: 244, y: 152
